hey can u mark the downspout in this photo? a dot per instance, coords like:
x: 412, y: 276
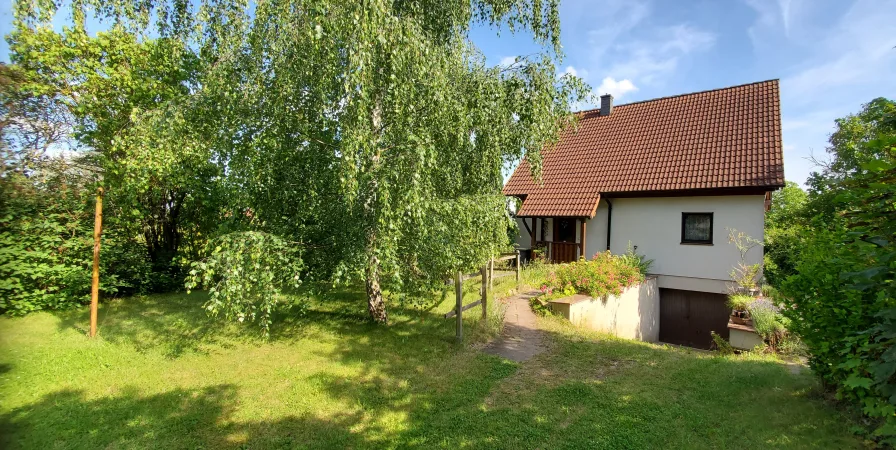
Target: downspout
x: 609, y: 220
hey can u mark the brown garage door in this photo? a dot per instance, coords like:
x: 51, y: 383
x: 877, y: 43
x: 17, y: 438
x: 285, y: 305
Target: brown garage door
x: 687, y: 317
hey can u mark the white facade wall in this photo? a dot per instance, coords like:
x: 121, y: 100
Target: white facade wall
x: 654, y: 226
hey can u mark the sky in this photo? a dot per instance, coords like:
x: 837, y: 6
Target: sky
x: 831, y: 56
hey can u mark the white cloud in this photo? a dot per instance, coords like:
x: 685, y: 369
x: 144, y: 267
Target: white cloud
x: 772, y: 16
x: 647, y: 60
x: 617, y: 89
x: 576, y: 72
x: 858, y: 50
x: 616, y: 18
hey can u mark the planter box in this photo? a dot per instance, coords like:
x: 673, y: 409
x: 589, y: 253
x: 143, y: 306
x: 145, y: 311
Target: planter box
x: 733, y: 318
x: 634, y: 314
x: 743, y: 337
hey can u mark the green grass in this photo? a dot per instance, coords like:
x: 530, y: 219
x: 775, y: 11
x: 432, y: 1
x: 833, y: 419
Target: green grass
x: 163, y: 375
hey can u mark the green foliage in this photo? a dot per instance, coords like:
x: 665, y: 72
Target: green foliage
x: 640, y: 261
x: 784, y: 231
x: 45, y: 250
x: 788, y: 206
x: 123, y: 98
x: 767, y: 319
x: 746, y: 276
x: 372, y: 132
x: 721, y: 344
x: 605, y: 274
x: 46, y: 239
x: 739, y: 302
x: 842, y: 293
x: 247, y: 275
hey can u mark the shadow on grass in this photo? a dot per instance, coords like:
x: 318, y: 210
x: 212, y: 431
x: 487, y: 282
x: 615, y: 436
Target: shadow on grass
x: 177, y: 323
x: 200, y: 418
x: 409, y: 386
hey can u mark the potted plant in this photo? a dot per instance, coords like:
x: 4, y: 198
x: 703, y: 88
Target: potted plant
x: 740, y: 313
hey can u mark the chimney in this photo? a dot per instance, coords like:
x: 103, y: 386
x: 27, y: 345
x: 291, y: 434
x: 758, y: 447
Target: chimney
x: 606, y: 104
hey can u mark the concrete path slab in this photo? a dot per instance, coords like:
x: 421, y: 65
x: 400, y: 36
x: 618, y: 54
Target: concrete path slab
x: 521, y: 339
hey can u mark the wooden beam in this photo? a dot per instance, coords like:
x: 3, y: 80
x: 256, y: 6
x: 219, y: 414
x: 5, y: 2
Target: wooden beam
x: 491, y: 274
x: 95, y: 286
x: 453, y: 312
x: 517, y: 266
x: 484, y: 290
x: 459, y: 294
x: 534, y: 230
x: 583, y: 239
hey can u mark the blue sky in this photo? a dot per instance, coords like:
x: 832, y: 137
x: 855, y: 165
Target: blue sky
x: 830, y: 55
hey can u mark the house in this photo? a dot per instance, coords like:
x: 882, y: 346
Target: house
x: 669, y: 176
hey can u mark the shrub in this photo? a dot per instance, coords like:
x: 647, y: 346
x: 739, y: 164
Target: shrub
x: 603, y: 275
x: 739, y: 302
x: 247, y: 275
x: 767, y: 319
x: 722, y: 345
x: 640, y: 261
x: 745, y: 275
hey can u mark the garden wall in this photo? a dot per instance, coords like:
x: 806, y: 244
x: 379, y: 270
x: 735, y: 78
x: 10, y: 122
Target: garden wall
x: 635, y: 314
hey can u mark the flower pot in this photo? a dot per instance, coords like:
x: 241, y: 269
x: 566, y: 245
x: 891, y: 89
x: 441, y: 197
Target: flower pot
x: 738, y: 320
x: 741, y: 318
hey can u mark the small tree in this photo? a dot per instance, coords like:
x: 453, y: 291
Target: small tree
x: 746, y: 276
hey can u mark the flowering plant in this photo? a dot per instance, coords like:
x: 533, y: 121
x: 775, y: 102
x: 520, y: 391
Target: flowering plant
x: 604, y: 274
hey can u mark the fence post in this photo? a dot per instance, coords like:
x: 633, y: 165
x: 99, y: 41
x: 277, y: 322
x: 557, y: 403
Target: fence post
x: 491, y: 274
x: 484, y: 290
x: 95, y: 286
x: 517, y: 267
x: 459, y: 293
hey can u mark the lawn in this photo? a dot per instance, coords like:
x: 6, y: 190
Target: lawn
x: 163, y: 375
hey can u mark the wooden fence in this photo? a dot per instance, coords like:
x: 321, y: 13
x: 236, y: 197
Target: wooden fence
x: 487, y: 276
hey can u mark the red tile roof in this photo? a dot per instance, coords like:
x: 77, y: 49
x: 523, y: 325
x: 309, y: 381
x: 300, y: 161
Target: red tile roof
x: 725, y: 139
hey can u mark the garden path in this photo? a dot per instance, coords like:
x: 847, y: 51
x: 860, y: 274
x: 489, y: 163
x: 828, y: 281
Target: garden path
x: 520, y: 339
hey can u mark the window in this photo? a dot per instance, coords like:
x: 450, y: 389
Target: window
x: 696, y: 228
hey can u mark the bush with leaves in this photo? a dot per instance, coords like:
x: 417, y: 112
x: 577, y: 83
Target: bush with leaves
x: 46, y: 240
x: 640, y: 261
x: 842, y: 296
x: 248, y: 276
x: 767, y: 320
x: 605, y: 274
x: 784, y: 230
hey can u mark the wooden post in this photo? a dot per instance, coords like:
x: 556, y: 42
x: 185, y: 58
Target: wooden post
x: 459, y: 293
x: 534, y: 231
x: 583, y: 240
x: 517, y: 266
x: 491, y: 274
x: 484, y: 290
x: 95, y: 288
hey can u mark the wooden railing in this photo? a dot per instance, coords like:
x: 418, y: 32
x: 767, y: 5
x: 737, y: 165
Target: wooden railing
x: 487, y: 276
x: 563, y: 252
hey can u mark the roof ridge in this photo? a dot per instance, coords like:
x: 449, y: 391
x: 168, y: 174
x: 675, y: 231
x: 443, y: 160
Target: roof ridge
x: 585, y: 111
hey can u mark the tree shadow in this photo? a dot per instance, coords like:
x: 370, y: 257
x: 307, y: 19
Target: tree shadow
x: 180, y: 418
x: 409, y: 385
x: 173, y: 324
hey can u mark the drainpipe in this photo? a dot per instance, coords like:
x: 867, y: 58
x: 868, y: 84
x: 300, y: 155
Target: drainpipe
x: 609, y: 220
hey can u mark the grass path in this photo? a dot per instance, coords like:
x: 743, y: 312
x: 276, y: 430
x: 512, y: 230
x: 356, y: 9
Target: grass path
x: 163, y: 375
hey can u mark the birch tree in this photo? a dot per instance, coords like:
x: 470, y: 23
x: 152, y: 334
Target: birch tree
x: 370, y: 134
